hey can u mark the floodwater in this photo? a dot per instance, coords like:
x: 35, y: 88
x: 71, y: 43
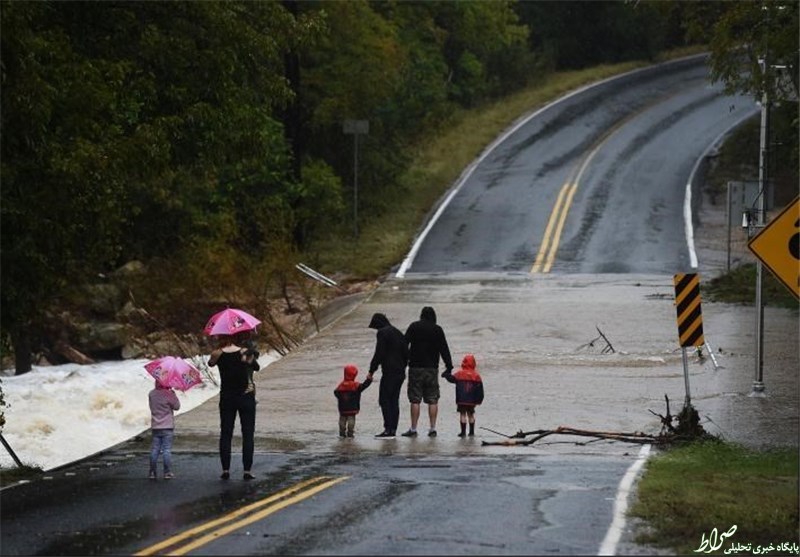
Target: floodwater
x: 537, y: 343
x: 544, y: 365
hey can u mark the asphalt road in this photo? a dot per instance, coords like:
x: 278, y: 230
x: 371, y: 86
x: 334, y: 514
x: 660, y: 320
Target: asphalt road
x: 608, y: 166
x: 534, y: 335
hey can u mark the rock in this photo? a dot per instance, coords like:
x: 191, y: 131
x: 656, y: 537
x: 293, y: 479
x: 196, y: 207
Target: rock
x: 128, y: 270
x: 98, y: 336
x: 104, y: 299
x: 132, y: 314
x: 136, y: 348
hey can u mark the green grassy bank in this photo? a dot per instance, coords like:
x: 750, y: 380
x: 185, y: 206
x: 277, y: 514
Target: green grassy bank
x: 688, y: 491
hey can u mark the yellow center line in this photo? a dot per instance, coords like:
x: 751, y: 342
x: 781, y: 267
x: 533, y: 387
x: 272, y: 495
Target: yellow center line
x: 254, y: 517
x: 550, y: 223
x: 244, y: 510
x: 557, y: 236
x: 547, y: 251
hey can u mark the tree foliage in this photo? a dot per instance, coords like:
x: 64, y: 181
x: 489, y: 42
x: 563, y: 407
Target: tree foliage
x: 207, y: 136
x: 741, y: 35
x: 132, y: 129
x: 755, y: 49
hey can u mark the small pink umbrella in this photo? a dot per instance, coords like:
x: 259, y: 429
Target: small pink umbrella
x: 174, y: 372
x: 230, y: 321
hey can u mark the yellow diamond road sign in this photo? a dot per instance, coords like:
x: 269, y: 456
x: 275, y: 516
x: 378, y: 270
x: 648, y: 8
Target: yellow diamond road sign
x: 778, y: 246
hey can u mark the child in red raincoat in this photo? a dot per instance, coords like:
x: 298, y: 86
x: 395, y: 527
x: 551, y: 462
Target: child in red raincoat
x: 469, y: 392
x: 348, y: 394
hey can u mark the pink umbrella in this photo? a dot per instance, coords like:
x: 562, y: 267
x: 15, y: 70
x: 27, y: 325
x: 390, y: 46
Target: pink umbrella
x: 229, y: 322
x: 174, y: 372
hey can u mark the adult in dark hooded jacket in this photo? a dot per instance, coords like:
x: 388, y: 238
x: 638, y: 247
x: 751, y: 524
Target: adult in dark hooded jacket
x: 427, y: 342
x: 391, y: 355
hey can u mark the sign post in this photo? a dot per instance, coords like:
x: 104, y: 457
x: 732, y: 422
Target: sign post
x: 690, y: 319
x: 777, y: 246
x: 356, y: 128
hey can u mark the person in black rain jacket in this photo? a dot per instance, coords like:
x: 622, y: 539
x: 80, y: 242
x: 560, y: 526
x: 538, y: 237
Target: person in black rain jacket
x: 391, y: 354
x: 426, y: 343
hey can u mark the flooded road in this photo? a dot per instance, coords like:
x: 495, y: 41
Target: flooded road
x: 530, y: 340
x: 443, y: 495
x: 536, y: 339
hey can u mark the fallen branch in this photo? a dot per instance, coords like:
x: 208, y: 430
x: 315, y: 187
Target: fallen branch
x: 634, y: 437
x: 666, y: 421
x: 606, y: 349
x: 688, y: 429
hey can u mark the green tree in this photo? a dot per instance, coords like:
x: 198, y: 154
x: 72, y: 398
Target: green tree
x: 579, y: 34
x: 741, y: 36
x: 135, y: 129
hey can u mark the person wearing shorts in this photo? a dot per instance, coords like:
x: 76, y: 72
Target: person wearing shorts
x: 427, y: 343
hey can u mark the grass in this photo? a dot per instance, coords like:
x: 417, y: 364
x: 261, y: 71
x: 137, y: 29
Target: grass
x: 739, y: 287
x: 689, y: 490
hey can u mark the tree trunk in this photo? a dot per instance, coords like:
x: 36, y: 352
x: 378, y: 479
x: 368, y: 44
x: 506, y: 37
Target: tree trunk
x: 21, y: 343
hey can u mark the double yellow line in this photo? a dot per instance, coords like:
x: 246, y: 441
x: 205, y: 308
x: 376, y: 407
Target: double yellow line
x: 547, y: 251
x: 215, y: 529
x: 552, y: 234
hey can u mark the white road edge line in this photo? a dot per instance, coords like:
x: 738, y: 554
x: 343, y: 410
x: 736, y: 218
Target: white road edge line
x: 687, y: 203
x: 609, y: 545
x: 407, y: 262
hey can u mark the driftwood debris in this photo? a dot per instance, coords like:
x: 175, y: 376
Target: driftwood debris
x: 519, y: 438
x: 688, y: 428
x: 606, y: 349
x: 71, y: 354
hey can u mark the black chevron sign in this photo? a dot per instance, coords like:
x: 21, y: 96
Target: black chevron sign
x: 687, y: 303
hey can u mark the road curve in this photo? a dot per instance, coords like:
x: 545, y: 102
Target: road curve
x: 592, y: 183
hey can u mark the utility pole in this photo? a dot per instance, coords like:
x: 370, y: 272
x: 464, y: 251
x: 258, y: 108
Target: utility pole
x: 758, y: 381
x: 356, y: 128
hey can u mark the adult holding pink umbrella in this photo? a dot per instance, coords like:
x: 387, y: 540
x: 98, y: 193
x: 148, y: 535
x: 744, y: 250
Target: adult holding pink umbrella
x: 237, y: 392
x: 230, y: 321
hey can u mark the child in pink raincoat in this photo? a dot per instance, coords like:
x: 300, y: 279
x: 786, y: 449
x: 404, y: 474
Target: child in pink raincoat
x: 163, y: 404
x: 469, y: 392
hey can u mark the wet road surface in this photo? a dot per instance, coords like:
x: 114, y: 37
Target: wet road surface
x: 535, y: 337
x: 444, y: 495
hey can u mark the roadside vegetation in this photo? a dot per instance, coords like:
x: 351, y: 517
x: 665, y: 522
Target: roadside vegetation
x: 739, y: 287
x: 206, y: 141
x: 738, y: 161
x: 688, y: 491
x: 9, y: 476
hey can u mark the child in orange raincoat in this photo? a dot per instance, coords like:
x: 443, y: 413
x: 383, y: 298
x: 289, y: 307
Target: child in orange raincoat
x: 469, y: 392
x: 348, y: 393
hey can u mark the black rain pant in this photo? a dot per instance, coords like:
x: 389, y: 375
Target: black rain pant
x: 230, y: 405
x: 389, y: 399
